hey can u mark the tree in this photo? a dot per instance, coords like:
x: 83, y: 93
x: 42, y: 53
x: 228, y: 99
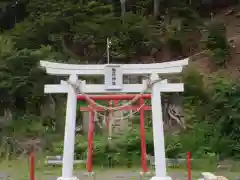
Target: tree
x: 21, y: 79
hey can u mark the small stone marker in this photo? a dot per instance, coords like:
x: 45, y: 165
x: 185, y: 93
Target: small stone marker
x: 4, y: 176
x: 221, y: 178
x: 207, y: 176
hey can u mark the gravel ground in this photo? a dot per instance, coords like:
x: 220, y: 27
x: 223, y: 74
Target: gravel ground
x: 120, y: 175
x: 101, y: 174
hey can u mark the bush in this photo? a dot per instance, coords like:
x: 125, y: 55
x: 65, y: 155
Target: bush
x: 218, y: 44
x: 220, y: 56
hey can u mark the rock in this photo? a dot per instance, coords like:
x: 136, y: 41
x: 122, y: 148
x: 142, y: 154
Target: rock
x: 4, y: 176
x: 221, y: 178
x: 207, y: 176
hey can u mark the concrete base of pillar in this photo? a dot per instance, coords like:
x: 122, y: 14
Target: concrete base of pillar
x: 71, y: 178
x: 161, y: 178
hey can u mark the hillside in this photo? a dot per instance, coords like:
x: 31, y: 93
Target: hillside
x: 230, y: 17
x: 140, y: 32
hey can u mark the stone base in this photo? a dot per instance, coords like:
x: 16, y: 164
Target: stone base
x: 71, y: 178
x: 145, y: 173
x: 161, y: 178
x: 89, y: 174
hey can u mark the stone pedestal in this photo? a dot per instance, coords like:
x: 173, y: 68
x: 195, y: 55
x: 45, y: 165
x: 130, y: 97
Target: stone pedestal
x: 161, y: 178
x: 72, y: 178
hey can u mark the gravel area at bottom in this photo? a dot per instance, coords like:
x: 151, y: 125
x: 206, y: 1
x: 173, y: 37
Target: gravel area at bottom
x: 120, y: 175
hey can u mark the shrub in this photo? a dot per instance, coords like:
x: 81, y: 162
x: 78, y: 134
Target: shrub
x: 218, y: 44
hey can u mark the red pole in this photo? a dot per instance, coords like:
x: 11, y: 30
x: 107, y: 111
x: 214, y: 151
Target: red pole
x: 32, y: 165
x: 189, y: 166
x: 90, y: 140
x: 143, y: 139
x: 110, y: 115
x: 116, y: 103
x: 111, y: 97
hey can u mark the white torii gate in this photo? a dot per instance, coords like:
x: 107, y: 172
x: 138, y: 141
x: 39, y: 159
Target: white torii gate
x: 113, y: 84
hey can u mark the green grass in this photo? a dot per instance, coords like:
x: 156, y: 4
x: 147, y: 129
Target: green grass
x: 19, y: 170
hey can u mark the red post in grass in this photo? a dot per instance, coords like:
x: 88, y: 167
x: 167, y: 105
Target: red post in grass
x: 189, y: 166
x: 90, y: 140
x: 143, y: 138
x: 32, y: 165
x: 108, y: 118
